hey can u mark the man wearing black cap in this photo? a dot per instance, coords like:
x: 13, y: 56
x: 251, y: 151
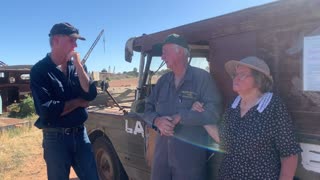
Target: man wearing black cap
x: 62, y: 90
x: 178, y: 153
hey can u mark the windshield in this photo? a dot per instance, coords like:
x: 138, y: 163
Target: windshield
x: 158, y: 67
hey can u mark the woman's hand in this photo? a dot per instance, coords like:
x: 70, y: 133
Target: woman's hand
x: 197, y: 106
x: 288, y: 167
x: 212, y: 130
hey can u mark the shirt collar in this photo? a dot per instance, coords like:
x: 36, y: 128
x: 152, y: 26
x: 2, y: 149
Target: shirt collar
x: 263, y: 102
x: 50, y: 62
x: 187, y: 76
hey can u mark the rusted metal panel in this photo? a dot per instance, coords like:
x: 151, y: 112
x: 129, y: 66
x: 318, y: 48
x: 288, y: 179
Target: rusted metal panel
x: 282, y: 47
x: 14, y: 83
x: 286, y: 13
x: 227, y: 48
x: 128, y: 144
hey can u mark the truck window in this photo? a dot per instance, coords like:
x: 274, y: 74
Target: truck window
x: 25, y: 76
x: 200, y: 62
x: 158, y: 67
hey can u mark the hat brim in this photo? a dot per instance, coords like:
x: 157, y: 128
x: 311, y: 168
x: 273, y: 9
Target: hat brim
x: 183, y: 46
x: 231, y: 66
x: 74, y: 35
x: 157, y: 49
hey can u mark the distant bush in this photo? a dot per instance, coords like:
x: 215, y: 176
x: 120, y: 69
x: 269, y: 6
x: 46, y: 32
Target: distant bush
x: 162, y: 72
x: 23, y: 109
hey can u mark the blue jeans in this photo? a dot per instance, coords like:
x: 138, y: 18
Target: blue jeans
x: 63, y: 150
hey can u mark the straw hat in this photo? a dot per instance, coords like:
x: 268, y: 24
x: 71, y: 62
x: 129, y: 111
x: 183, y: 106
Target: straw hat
x: 250, y: 62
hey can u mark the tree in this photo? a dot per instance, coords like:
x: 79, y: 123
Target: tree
x: 104, y: 70
x: 163, y: 71
x: 135, y: 70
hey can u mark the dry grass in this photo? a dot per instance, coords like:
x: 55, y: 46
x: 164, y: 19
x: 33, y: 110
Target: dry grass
x: 17, y: 146
x: 21, y: 154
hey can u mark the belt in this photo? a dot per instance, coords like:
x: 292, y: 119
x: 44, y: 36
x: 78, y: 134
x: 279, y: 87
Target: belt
x: 66, y: 131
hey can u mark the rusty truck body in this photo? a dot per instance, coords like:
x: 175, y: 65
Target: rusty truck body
x: 14, y: 83
x: 284, y: 33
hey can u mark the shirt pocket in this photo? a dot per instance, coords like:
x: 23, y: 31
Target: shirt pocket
x: 186, y: 99
x: 164, y: 108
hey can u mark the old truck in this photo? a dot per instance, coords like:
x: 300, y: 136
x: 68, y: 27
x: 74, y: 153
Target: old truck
x: 286, y: 34
x: 14, y: 83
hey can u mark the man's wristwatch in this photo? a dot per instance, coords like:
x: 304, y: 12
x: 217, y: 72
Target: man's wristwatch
x: 154, y: 126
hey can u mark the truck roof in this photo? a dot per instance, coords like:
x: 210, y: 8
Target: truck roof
x: 255, y: 18
x: 274, y: 32
x: 16, y: 68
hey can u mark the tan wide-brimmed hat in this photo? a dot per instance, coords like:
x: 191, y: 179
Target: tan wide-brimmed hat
x: 250, y: 62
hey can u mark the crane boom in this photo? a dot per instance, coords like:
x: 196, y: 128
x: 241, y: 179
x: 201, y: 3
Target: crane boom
x: 91, y: 48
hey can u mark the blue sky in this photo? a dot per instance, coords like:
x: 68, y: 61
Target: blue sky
x: 25, y: 25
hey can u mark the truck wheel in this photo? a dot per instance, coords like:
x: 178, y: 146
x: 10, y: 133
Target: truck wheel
x: 107, y: 161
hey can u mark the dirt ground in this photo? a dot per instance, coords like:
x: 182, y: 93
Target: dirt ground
x: 130, y: 82
x: 26, y: 157
x: 33, y: 165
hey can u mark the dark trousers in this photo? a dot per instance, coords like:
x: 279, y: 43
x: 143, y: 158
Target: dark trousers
x: 178, y: 160
x: 64, y: 148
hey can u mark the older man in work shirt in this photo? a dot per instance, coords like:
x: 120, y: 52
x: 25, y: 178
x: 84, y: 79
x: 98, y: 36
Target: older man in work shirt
x: 178, y: 155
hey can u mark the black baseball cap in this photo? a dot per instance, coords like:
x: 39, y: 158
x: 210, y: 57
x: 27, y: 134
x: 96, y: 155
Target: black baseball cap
x: 65, y: 29
x: 176, y: 39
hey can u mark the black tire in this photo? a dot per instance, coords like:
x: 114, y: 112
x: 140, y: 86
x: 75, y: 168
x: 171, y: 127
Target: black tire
x: 108, y: 164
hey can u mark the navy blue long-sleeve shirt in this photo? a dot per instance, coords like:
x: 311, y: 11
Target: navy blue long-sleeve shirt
x: 51, y: 89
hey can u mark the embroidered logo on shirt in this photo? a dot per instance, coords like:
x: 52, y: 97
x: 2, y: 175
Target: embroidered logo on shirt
x: 188, y: 95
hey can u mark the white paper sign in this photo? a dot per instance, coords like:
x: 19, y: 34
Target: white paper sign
x: 311, y: 63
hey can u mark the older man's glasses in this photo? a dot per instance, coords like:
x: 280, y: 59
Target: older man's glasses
x: 241, y: 76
